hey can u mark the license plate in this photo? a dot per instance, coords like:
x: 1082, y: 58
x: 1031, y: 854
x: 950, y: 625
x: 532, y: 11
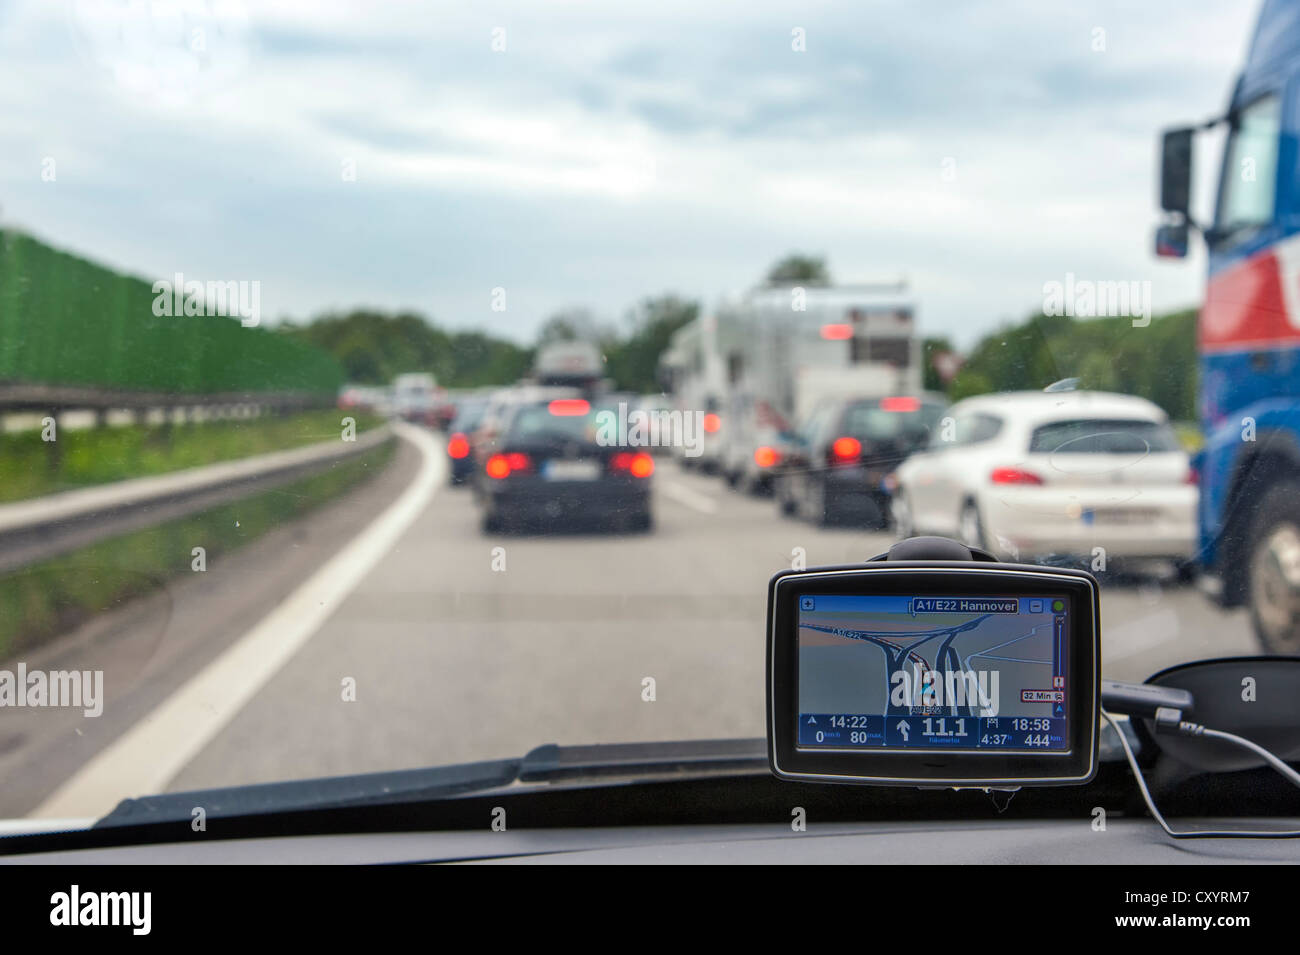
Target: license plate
x: 1119, y: 515
x: 571, y: 470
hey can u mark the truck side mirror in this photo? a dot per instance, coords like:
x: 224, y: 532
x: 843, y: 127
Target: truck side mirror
x: 1171, y: 241
x: 1176, y: 170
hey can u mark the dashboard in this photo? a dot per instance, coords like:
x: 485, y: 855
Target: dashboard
x: 1052, y: 842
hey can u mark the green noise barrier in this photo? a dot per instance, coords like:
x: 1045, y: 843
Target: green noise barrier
x: 65, y: 321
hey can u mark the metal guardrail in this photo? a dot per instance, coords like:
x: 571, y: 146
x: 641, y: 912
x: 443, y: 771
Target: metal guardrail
x: 45, y: 527
x: 34, y: 396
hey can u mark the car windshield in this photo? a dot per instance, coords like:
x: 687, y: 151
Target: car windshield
x: 302, y: 306
x: 1103, y: 436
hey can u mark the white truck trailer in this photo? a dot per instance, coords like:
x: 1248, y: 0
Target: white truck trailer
x: 786, y: 349
x: 692, y: 370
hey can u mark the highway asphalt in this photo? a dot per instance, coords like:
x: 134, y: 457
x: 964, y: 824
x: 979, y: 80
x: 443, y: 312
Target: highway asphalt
x: 430, y: 643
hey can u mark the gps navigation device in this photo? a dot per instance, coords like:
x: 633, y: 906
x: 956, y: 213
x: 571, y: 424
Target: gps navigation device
x: 934, y: 672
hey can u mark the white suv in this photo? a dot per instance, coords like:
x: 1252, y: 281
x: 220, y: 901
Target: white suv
x: 1034, y: 475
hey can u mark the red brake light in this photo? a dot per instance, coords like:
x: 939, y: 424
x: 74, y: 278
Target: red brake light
x: 1014, y: 476
x: 569, y: 407
x: 901, y: 404
x: 766, y: 457
x: 503, y: 465
x: 458, y: 446
x: 846, y: 449
x: 1193, y: 477
x: 639, y: 465
x: 837, y: 332
x: 712, y: 423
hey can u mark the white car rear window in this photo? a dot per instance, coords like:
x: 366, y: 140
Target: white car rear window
x: 1103, y: 436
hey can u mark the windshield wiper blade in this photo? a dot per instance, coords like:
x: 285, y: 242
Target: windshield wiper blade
x: 551, y: 763
x: 333, y: 792
x: 541, y: 766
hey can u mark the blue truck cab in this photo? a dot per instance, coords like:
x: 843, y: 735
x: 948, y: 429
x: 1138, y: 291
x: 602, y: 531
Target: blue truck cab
x: 1248, y: 333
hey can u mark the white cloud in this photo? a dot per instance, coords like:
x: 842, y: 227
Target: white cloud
x: 613, y: 150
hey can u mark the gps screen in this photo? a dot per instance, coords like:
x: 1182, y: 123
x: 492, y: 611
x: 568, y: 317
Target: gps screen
x: 933, y: 673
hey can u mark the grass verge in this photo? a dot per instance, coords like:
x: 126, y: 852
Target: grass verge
x: 30, y: 467
x: 50, y: 598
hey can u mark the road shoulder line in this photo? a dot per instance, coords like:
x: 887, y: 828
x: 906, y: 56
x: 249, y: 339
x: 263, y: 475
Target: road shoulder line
x: 148, y: 756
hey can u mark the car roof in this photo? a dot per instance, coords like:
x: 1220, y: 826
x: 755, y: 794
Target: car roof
x: 526, y: 393
x: 925, y: 397
x: 471, y: 406
x: 1062, y: 405
x: 845, y: 401
x: 544, y: 401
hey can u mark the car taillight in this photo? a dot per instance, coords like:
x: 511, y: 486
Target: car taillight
x: 569, y: 407
x: 458, y: 446
x: 837, y: 332
x: 1014, y: 476
x: 639, y: 465
x: 845, y: 450
x: 1193, y: 477
x: 503, y: 465
x: 901, y: 403
x: 766, y: 457
x: 712, y: 423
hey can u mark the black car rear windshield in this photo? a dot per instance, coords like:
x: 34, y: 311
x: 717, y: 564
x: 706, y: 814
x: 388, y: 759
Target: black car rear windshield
x: 882, y: 419
x: 1103, y: 436
x: 539, y: 421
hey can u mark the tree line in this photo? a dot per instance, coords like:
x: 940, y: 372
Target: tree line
x: 374, y: 347
x: 1157, y: 361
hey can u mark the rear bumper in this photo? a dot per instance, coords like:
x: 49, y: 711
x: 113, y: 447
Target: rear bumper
x: 1031, y: 524
x: 709, y: 452
x: 855, y: 488
x: 541, y: 499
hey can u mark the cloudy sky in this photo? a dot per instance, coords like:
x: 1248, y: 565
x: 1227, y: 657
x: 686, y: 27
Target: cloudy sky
x: 611, y: 150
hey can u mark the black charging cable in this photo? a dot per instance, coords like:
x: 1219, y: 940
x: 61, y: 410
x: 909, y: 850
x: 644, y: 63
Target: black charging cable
x: 1166, y: 707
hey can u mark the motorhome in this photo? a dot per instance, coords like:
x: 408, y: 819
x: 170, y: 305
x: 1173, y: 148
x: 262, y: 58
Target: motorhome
x: 692, y: 371
x: 785, y: 350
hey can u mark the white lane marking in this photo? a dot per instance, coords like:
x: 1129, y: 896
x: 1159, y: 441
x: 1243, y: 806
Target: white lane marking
x: 22, y: 827
x: 692, y: 499
x: 148, y: 756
